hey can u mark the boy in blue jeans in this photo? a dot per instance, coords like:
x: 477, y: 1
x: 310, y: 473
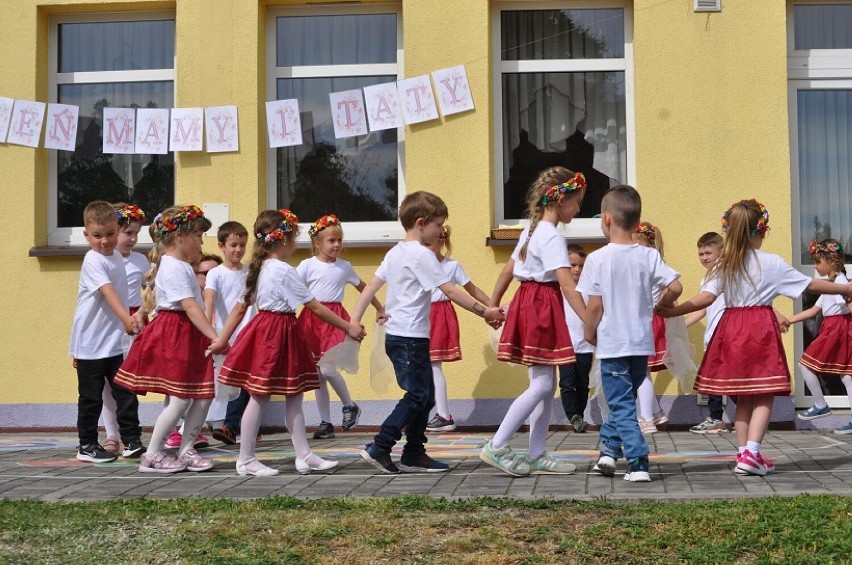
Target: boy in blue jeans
x: 411, y: 271
x: 617, y: 279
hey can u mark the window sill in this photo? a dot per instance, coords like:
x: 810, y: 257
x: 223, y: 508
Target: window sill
x: 72, y: 250
x: 592, y: 240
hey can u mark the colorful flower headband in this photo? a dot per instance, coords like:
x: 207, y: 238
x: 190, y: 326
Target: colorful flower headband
x: 324, y: 222
x: 762, y: 223
x: 130, y: 213
x: 647, y: 230
x: 181, y: 220
x: 577, y: 182
x: 290, y: 224
x: 831, y: 246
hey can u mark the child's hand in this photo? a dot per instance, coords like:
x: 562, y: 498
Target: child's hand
x: 74, y: 362
x: 783, y: 321
x: 219, y: 345
x: 847, y: 296
x: 130, y: 326
x: 664, y: 311
x: 381, y: 317
x: 141, y: 318
x: 356, y: 331
x: 592, y: 340
x: 494, y: 317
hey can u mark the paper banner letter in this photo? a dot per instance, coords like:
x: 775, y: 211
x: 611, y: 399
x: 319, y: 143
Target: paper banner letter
x: 152, y: 131
x: 347, y: 112
x: 453, y: 90
x: 25, y: 125
x: 383, y: 111
x: 6, y: 105
x: 283, y: 123
x: 222, y: 129
x: 119, y: 130
x: 418, y: 101
x: 187, y: 124
x: 61, y: 127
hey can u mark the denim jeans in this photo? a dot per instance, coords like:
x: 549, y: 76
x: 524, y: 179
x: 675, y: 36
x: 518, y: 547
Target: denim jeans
x: 574, y: 385
x: 410, y: 358
x: 91, y: 376
x: 620, y: 434
x: 714, y: 403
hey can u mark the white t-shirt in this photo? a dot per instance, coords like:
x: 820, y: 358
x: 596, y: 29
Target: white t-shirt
x: 327, y: 281
x: 280, y: 288
x: 229, y: 287
x: 834, y: 304
x: 624, y: 277
x: 135, y: 265
x: 411, y: 271
x: 769, y: 276
x: 546, y: 252
x: 175, y: 281
x: 456, y: 275
x: 97, y: 333
x: 575, y: 328
x: 714, y: 314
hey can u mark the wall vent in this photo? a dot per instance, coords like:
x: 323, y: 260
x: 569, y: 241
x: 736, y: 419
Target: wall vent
x: 707, y: 5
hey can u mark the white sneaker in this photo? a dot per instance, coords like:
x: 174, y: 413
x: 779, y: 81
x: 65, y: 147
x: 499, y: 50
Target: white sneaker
x: 605, y: 466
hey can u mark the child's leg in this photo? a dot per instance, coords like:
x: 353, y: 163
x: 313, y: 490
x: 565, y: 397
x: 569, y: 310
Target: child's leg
x: 442, y: 407
x: 743, y: 418
x: 338, y: 383
x: 193, y: 422
x: 568, y: 389
x: 108, y: 413
x: 541, y: 386
x: 759, y: 423
x: 582, y: 368
x: 126, y: 409
x: 91, y: 376
x: 621, y: 379
x: 647, y: 399
x: 847, y: 382
x: 540, y: 417
x: 250, y: 426
x: 814, y: 386
x: 323, y: 399
x: 714, y: 404
x: 166, y: 422
x: 236, y: 409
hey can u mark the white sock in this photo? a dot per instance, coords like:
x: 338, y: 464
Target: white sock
x: 109, y: 412
x: 814, y: 385
x: 753, y: 446
x: 542, y: 385
x: 441, y: 403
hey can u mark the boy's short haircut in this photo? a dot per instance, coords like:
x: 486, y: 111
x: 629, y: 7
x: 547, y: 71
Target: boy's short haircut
x: 231, y: 228
x: 421, y: 204
x: 99, y: 212
x: 710, y: 238
x: 577, y: 250
x: 624, y: 205
x: 210, y: 257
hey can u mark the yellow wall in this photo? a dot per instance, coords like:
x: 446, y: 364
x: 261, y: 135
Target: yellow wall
x: 710, y: 128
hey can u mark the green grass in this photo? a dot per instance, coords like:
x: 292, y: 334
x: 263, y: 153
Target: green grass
x: 805, y: 529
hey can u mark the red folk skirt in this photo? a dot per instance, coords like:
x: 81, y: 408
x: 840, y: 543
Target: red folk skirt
x: 444, y: 333
x: 270, y: 357
x: 830, y: 354
x: 168, y: 357
x: 319, y: 335
x: 655, y: 361
x: 745, y: 355
x: 535, y: 332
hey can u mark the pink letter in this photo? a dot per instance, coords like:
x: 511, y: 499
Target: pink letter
x: 452, y: 89
x: 181, y: 135
x: 347, y: 104
x: 416, y: 92
x: 383, y: 107
x: 284, y: 132
x: 221, y: 127
x: 57, y: 125
x: 152, y: 130
x: 125, y: 128
x: 25, y: 122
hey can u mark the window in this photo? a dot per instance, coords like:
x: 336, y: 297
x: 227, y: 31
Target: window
x: 562, y: 97
x: 312, y: 53
x: 820, y: 100
x: 108, y: 60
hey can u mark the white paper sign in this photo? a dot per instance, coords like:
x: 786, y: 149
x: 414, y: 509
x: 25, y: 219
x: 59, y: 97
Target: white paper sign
x: 348, y: 115
x: 25, y: 125
x: 152, y: 131
x: 6, y: 105
x: 453, y: 90
x: 222, y: 129
x: 283, y: 124
x: 417, y: 100
x: 61, y: 127
x: 383, y: 111
x: 119, y: 130
x: 187, y: 125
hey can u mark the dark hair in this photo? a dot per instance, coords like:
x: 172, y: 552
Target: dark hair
x: 421, y: 204
x: 230, y: 228
x: 624, y: 205
x: 210, y: 257
x: 576, y: 250
x: 710, y: 238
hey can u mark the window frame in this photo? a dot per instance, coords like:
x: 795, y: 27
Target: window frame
x: 74, y: 235
x: 363, y: 233
x: 580, y: 228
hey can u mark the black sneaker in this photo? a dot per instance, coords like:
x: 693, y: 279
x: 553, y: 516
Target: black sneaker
x: 421, y: 464
x: 350, y: 416
x: 95, y: 453
x: 440, y: 424
x: 324, y: 431
x: 579, y: 424
x: 133, y: 449
x: 381, y: 461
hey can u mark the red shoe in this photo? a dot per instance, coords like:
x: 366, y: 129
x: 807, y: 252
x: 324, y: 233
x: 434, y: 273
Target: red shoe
x: 200, y: 442
x: 174, y: 439
x: 751, y: 464
x: 770, y: 466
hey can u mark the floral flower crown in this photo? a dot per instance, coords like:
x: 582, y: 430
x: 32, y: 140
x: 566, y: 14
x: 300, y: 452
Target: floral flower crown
x: 577, y: 182
x: 180, y: 221
x: 648, y: 230
x: 324, y: 222
x: 130, y: 213
x: 762, y: 223
x: 289, y: 225
x: 830, y: 246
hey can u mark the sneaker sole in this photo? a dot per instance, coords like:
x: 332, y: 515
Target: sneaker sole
x: 604, y: 470
x: 160, y: 471
x: 224, y: 439
x: 545, y: 472
x: 324, y: 436
x: 638, y: 477
x: 89, y: 459
x: 200, y: 445
x: 441, y: 429
x: 409, y: 469
x: 809, y: 418
x: 132, y: 453
x: 496, y: 465
x: 842, y: 432
x: 368, y: 458
x: 198, y: 469
x: 747, y: 470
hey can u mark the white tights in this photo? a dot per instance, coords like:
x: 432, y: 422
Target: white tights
x: 195, y: 411
x: 109, y: 412
x: 442, y: 406
x: 816, y: 388
x: 293, y: 416
x: 647, y: 400
x: 323, y: 400
x: 534, y: 403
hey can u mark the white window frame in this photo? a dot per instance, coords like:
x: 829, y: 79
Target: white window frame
x: 364, y: 233
x: 74, y: 235
x: 579, y: 228
x: 810, y: 69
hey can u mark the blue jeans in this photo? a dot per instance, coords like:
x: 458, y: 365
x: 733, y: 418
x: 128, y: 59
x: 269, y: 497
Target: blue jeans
x: 410, y: 358
x: 620, y: 434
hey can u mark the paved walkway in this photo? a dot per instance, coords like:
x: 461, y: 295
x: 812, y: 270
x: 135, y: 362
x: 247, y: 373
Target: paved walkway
x: 684, y: 466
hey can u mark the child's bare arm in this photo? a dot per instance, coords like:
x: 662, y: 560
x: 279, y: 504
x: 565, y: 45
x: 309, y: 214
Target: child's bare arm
x: 504, y: 279
x: 491, y: 314
x: 477, y: 293
x: 695, y: 317
x: 367, y: 295
x: 117, y: 306
x: 234, y: 318
x: 698, y: 302
x: 381, y: 316
x: 209, y: 309
x: 353, y: 329
x: 672, y: 292
x: 200, y: 321
x: 569, y: 291
x: 812, y: 312
x: 594, y: 313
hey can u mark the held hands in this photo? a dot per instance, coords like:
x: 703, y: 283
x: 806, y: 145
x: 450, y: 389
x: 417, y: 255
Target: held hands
x: 356, y: 331
x: 783, y: 321
x: 219, y: 346
x: 381, y: 317
x: 494, y: 317
x: 663, y: 311
x: 131, y: 325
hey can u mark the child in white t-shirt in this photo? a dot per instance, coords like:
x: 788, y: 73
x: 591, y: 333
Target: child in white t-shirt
x: 574, y: 377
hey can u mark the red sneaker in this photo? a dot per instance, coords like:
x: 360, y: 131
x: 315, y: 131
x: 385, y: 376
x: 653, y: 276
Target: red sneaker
x: 751, y: 464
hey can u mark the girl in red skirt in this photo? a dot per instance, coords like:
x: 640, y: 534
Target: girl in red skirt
x: 535, y: 333
x: 444, y: 330
x: 745, y: 356
x: 170, y: 356
x: 270, y: 355
x: 830, y: 354
x: 326, y: 276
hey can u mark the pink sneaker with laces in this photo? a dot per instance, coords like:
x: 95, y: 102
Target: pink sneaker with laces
x: 750, y: 464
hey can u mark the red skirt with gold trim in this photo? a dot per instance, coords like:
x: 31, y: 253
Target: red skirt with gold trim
x: 535, y: 332
x: 444, y: 333
x: 655, y: 361
x: 830, y: 354
x: 321, y: 336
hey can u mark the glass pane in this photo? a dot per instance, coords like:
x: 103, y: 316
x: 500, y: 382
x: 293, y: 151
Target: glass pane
x: 562, y: 34
x: 822, y: 26
x: 576, y: 120
x: 87, y: 174
x: 117, y: 46
x: 354, y: 177
x: 336, y: 40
